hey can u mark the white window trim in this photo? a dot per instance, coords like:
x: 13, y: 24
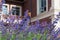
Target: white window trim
x: 17, y: 6
x: 7, y: 8
x: 44, y: 14
x: 38, y: 7
x: 11, y: 7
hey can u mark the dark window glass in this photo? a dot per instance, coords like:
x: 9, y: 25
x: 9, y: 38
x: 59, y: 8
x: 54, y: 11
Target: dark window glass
x: 42, y: 5
x: 15, y: 10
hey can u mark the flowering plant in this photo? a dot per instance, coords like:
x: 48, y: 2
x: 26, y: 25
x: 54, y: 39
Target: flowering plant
x: 22, y: 31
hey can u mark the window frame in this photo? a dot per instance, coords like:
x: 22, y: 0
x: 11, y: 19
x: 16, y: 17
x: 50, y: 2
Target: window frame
x: 38, y: 12
x: 20, y: 14
x: 7, y: 8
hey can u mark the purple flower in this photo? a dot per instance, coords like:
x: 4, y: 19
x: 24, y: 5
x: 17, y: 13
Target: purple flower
x: 3, y: 1
x: 26, y: 13
x: 16, y: 26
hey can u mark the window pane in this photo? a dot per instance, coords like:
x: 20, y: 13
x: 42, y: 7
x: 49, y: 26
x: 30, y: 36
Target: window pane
x: 42, y: 5
x: 15, y: 10
x: 4, y: 9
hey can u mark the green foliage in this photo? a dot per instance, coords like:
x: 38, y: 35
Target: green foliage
x: 0, y: 35
x: 21, y: 36
x: 13, y: 36
x: 28, y: 36
x: 44, y: 35
x: 38, y: 36
x: 3, y: 37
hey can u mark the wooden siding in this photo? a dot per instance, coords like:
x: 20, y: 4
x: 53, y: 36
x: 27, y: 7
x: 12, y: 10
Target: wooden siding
x: 49, y: 4
x: 47, y: 19
x: 32, y: 6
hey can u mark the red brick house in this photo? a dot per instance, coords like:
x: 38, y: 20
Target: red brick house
x: 40, y: 9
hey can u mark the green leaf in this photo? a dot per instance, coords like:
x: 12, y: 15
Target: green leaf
x: 44, y: 35
x: 13, y: 37
x: 38, y: 36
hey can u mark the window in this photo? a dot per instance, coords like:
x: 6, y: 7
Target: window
x: 15, y: 10
x: 11, y: 9
x: 41, y: 6
x: 5, y: 9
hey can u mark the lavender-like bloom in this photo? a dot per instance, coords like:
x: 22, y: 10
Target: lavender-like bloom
x: 3, y: 1
x: 26, y: 13
x: 2, y: 28
x: 37, y: 24
x: 24, y: 28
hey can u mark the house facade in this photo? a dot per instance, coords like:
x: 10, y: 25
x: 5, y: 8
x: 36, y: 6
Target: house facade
x: 43, y: 10
x: 39, y: 8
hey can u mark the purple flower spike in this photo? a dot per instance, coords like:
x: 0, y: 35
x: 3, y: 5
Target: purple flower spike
x: 26, y: 13
x: 3, y: 1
